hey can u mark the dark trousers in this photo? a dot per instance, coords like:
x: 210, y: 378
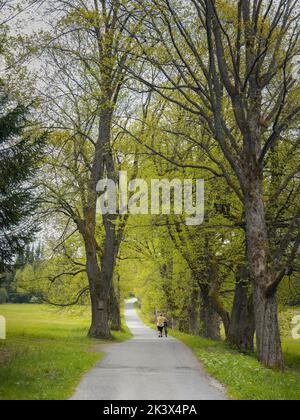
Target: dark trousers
x: 160, y: 329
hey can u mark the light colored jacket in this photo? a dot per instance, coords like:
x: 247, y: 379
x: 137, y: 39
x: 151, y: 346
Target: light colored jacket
x: 161, y: 321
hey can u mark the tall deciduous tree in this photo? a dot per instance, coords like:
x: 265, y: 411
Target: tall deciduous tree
x: 86, y: 47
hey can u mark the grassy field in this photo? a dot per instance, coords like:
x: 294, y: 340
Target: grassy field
x: 46, y: 352
x: 243, y: 375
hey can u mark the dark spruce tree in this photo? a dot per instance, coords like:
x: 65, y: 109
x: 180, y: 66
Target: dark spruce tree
x: 20, y: 153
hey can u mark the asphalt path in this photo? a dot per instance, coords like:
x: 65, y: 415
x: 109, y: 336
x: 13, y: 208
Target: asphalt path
x: 148, y: 368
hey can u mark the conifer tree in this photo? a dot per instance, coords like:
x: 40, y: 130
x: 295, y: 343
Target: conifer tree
x: 20, y: 152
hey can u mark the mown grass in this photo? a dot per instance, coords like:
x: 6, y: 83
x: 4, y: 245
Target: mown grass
x: 244, y: 377
x: 46, y: 352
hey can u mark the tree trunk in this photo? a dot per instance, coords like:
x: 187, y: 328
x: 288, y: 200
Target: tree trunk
x: 210, y: 320
x: 267, y: 329
x: 100, y: 273
x: 99, y: 291
x: 213, y: 308
x: 242, y: 324
x: 114, y: 312
x: 260, y: 263
x: 100, y: 318
x: 194, y: 306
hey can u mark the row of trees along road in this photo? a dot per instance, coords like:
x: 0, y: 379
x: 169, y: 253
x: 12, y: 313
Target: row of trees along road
x: 198, y: 88
x: 229, y: 64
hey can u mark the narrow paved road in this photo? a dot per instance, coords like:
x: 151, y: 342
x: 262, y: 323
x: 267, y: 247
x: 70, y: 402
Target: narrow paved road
x: 147, y: 368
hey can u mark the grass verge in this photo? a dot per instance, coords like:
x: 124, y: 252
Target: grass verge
x: 46, y: 352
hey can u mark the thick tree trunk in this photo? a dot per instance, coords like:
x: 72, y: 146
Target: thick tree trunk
x: 105, y: 306
x: 260, y: 263
x: 100, y: 318
x: 210, y: 320
x: 99, y: 295
x: 267, y: 329
x: 100, y: 273
x: 114, y: 312
x: 242, y: 323
x: 100, y: 287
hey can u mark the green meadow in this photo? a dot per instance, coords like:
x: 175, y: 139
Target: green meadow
x: 46, y: 352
